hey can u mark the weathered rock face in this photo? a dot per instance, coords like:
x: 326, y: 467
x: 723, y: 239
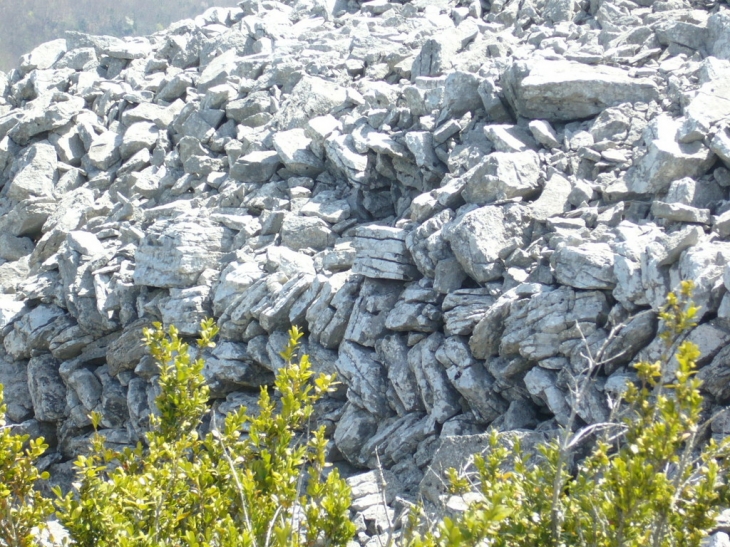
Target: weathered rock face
x: 450, y: 218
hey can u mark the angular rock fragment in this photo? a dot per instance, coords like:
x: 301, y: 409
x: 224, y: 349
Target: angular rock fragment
x: 47, y: 390
x: 589, y: 266
x: 36, y: 174
x: 382, y: 254
x: 566, y: 90
x: 502, y: 175
x: 175, y: 253
x: 667, y: 159
x: 481, y: 239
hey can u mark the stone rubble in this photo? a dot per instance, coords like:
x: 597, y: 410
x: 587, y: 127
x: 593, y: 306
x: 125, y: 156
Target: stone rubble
x: 451, y: 197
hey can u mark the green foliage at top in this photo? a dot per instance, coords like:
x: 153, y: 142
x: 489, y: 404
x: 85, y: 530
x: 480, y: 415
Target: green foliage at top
x: 264, y: 488
x: 648, y: 481
x: 22, y: 508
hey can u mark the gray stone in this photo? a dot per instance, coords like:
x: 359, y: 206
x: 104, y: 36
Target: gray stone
x: 306, y: 232
x: 44, y: 56
x: 229, y: 367
x: 435, y: 57
x: 125, y: 352
x: 471, y: 379
x: 330, y: 311
x: 382, y: 253
x: 47, y: 390
x: 565, y: 90
x: 257, y: 166
x: 104, y: 150
x: 542, y: 386
x: 481, y: 239
x: 554, y: 199
x: 502, y: 175
x: 175, y: 253
x: 293, y: 149
x: 461, y: 93
x: 39, y: 117
x: 708, y: 106
x: 666, y: 159
x: 14, y: 379
x: 720, y: 145
x: 589, y: 266
x: 288, y: 261
x: 510, y: 138
x: 458, y: 452
x: 310, y: 97
x: 234, y: 279
x: 367, y: 323
x: 353, y: 430
x: 718, y: 35
x: 13, y: 248
x: 326, y: 206
x: 186, y: 308
x: 544, y: 133
x: 365, y: 376
x: 36, y: 174
x: 437, y: 393
x: 678, y: 212
x: 392, y: 351
x: 341, y: 151
x: 137, y: 137
x: 464, y: 308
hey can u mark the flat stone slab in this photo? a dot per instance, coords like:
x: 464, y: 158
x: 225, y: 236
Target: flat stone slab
x: 566, y: 90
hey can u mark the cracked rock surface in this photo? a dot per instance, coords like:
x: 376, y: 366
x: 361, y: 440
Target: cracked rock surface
x: 451, y: 197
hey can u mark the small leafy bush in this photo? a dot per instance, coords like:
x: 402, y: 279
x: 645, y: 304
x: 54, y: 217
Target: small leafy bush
x: 22, y: 508
x: 264, y: 488
x: 648, y: 480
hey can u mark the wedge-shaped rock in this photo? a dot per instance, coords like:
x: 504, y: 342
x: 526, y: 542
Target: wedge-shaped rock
x: 37, y: 173
x: 565, y: 90
x: 293, y: 149
x: 257, y: 166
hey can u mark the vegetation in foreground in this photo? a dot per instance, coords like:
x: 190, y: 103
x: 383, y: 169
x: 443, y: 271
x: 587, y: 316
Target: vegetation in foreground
x: 651, y: 479
x: 651, y: 476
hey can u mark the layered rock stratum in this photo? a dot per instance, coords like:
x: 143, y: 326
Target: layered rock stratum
x: 455, y: 200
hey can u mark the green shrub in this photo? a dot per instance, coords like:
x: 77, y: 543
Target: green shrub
x: 264, y: 488
x: 648, y: 480
x: 22, y: 509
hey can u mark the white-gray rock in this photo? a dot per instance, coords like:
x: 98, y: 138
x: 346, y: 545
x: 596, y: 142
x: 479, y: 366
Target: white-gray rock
x: 565, y: 90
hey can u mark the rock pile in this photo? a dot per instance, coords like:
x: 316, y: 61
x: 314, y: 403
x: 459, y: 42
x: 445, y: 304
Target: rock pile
x: 447, y: 195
